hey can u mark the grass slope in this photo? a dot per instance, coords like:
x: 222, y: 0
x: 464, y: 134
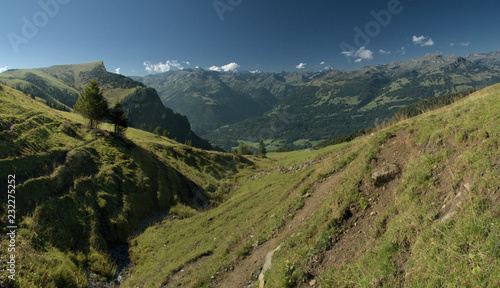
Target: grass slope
x: 431, y: 222
x: 80, y: 192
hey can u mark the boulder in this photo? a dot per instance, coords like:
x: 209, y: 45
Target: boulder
x: 384, y: 173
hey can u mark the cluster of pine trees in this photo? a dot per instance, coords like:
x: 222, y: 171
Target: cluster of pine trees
x: 92, y: 105
x: 244, y: 149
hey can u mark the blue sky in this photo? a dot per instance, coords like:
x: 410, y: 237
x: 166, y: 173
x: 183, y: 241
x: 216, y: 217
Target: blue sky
x: 150, y: 36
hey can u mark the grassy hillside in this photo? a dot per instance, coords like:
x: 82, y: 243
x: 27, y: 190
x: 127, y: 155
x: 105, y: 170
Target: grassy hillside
x: 414, y: 205
x: 60, y: 85
x: 80, y: 192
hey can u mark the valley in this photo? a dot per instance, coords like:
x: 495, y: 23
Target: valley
x: 384, y: 209
x: 301, y: 109
x: 249, y: 144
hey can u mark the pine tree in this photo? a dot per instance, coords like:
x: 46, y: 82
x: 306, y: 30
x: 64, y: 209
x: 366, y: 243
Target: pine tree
x: 117, y: 117
x: 92, y: 105
x: 262, y: 148
x: 158, y: 131
x: 244, y: 150
x: 240, y: 149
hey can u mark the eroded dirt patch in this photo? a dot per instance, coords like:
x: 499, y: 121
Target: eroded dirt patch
x: 359, y: 232
x: 242, y: 272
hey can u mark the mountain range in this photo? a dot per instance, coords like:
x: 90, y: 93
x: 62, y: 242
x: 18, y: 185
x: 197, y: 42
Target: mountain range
x: 293, y: 109
x: 214, y: 99
x: 299, y: 109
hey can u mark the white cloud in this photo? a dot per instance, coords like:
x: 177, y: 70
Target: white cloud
x: 463, y: 44
x: 117, y: 70
x: 4, y: 69
x: 226, y: 68
x: 422, y: 41
x: 361, y: 54
x: 230, y: 67
x: 322, y: 63
x: 187, y: 63
x: 402, y: 51
x: 215, y: 68
x: 162, y: 67
x: 301, y: 66
x: 384, y: 52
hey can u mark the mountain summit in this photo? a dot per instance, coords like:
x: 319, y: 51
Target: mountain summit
x: 60, y: 85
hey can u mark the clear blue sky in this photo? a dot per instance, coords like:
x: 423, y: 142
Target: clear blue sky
x: 267, y: 35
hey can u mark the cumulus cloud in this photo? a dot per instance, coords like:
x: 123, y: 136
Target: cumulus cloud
x: 117, y: 70
x: 360, y: 54
x: 4, y: 69
x: 162, y: 67
x: 422, y: 41
x: 384, y: 52
x: 226, y: 68
x: 322, y: 63
x: 301, y: 66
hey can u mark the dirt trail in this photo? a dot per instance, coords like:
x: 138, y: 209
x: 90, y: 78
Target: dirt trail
x: 13, y: 126
x: 240, y: 276
x: 358, y: 235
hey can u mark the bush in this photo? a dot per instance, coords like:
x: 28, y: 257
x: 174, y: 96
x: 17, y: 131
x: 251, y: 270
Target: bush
x: 182, y: 211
